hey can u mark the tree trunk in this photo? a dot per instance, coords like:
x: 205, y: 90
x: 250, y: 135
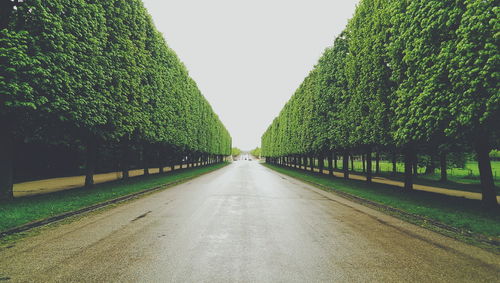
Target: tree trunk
x: 394, y: 164
x: 486, y: 176
x: 311, y: 159
x: 444, y: 167
x: 91, y: 156
x: 352, y: 162
x: 330, y: 165
x: 377, y: 163
x: 408, y: 157
x: 125, y: 158
x: 321, y: 163
x: 335, y: 165
x: 363, y: 160
x: 430, y: 168
x: 345, y: 164
x: 415, y: 165
x: 145, y: 160
x: 6, y: 167
x: 369, y: 165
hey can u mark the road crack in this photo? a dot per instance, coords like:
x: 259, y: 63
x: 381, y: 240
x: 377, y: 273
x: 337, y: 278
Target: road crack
x: 141, y: 216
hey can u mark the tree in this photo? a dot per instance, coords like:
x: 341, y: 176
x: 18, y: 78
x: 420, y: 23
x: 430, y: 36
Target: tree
x: 256, y: 152
x: 235, y: 151
x: 406, y: 77
x: 99, y: 77
x: 368, y: 78
x: 474, y: 109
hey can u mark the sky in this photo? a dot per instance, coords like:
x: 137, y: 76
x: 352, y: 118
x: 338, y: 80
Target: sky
x: 249, y: 57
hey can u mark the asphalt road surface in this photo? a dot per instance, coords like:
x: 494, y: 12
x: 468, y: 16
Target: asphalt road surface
x: 243, y: 223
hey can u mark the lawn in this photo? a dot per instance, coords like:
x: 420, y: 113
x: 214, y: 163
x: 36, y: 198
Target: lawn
x: 461, y: 213
x: 25, y: 210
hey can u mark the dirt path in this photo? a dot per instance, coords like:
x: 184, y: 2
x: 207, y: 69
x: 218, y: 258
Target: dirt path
x: 443, y: 191
x: 60, y: 184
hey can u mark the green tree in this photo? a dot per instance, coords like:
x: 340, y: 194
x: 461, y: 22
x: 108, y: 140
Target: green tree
x: 474, y: 109
x: 368, y: 78
x: 235, y: 151
x: 99, y: 76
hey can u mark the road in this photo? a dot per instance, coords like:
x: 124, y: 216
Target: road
x: 243, y: 223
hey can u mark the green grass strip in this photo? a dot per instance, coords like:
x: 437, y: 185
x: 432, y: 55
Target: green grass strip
x: 25, y: 210
x: 461, y: 213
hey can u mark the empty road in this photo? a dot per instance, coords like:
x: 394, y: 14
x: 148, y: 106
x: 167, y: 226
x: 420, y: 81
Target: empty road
x: 243, y: 223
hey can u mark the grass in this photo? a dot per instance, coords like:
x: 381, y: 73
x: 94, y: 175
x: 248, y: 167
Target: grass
x: 461, y: 213
x: 25, y: 210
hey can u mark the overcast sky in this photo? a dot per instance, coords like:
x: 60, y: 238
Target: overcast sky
x: 248, y: 57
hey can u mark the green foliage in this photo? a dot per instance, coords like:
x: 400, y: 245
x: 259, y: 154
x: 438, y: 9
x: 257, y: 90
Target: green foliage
x: 403, y: 77
x: 256, y: 152
x: 79, y: 70
x: 421, y: 51
x: 235, y: 151
x: 474, y: 73
x: 495, y: 154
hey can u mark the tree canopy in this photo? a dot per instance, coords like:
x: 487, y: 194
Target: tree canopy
x: 404, y: 76
x: 93, y: 73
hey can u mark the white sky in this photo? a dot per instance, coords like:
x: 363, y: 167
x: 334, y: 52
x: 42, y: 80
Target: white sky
x: 248, y: 57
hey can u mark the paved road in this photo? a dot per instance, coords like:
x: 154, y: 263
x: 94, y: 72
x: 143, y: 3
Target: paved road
x: 243, y: 223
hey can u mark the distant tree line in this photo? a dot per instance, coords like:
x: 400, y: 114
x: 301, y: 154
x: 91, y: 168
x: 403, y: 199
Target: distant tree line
x: 98, y: 79
x: 405, y: 78
x: 235, y: 151
x: 256, y: 152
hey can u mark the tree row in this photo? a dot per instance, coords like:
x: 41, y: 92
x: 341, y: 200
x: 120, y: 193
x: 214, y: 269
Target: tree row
x: 406, y: 78
x: 93, y: 75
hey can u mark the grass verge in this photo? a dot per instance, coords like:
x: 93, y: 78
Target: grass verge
x: 21, y: 211
x: 469, y: 217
